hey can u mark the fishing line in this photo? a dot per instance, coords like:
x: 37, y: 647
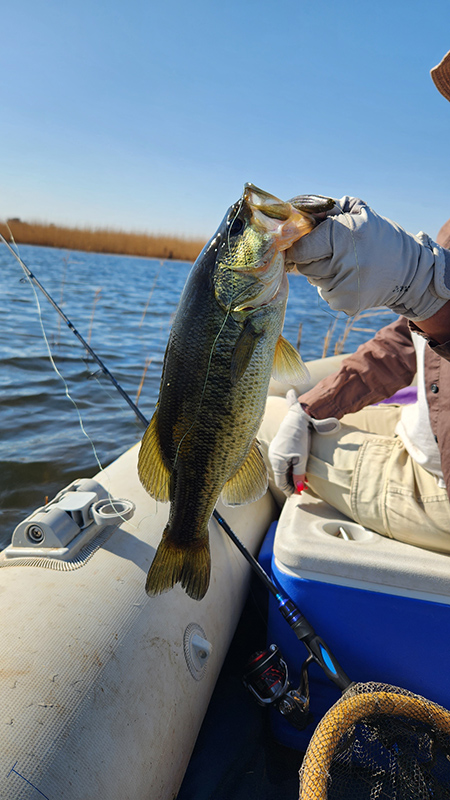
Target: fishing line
x: 50, y: 355
x: 211, y: 352
x: 208, y: 369
x: 238, y: 211
x: 95, y: 376
x: 233, y: 271
x: 326, y: 309
x: 151, y: 293
x: 219, y: 333
x: 32, y: 281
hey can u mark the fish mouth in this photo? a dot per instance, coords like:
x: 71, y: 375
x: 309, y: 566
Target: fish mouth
x: 266, y: 203
x: 277, y: 218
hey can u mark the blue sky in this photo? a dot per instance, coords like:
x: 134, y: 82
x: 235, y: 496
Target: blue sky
x: 151, y: 116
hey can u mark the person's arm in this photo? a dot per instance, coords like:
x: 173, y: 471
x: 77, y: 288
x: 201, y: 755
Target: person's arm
x: 359, y: 260
x: 374, y: 372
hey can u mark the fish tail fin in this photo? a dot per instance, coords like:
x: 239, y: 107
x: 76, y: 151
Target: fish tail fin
x: 189, y: 565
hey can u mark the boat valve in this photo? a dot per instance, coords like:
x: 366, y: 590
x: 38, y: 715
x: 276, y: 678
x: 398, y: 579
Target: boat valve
x: 197, y: 650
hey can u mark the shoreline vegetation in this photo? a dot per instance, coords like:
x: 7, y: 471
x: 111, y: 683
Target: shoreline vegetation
x: 102, y: 240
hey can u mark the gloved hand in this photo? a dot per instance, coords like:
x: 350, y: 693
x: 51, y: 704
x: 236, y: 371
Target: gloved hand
x: 359, y: 260
x: 289, y: 450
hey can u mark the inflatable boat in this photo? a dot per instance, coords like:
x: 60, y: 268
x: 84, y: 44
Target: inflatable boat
x: 103, y: 690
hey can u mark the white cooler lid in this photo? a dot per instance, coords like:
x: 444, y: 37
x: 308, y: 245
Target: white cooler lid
x: 307, y: 546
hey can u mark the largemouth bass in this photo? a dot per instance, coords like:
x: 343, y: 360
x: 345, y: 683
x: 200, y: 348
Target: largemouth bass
x: 224, y: 345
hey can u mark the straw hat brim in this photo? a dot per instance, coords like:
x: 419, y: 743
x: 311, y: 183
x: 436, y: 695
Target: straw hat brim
x: 441, y: 76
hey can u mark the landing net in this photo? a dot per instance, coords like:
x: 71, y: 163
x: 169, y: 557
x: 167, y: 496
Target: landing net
x: 379, y: 742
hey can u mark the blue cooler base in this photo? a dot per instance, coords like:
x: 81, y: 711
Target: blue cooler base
x: 375, y: 636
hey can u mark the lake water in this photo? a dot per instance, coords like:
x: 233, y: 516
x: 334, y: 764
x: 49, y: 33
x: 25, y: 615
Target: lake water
x: 42, y: 447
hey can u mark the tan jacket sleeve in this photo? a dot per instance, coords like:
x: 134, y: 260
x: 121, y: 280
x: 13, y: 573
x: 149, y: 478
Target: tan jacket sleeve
x: 374, y: 372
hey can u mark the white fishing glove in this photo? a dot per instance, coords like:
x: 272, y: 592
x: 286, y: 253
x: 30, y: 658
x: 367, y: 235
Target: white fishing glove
x: 359, y: 260
x: 289, y: 450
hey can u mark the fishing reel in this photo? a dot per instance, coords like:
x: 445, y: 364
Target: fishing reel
x: 267, y: 679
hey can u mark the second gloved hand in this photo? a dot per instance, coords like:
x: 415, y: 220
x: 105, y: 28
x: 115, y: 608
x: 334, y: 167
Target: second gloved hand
x: 289, y: 450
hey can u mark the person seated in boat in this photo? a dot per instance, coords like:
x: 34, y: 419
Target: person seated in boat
x: 385, y: 466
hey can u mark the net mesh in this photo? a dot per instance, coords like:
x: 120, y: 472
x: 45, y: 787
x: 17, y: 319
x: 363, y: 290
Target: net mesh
x: 379, y: 742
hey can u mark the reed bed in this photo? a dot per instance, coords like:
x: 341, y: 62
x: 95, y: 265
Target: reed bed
x: 352, y: 324
x: 102, y: 240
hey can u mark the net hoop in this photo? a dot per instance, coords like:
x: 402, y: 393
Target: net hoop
x: 345, y: 713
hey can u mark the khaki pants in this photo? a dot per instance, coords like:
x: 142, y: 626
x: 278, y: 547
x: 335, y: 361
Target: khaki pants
x: 365, y: 472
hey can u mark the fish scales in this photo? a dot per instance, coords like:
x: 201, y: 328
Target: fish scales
x: 221, y: 351
x: 197, y: 429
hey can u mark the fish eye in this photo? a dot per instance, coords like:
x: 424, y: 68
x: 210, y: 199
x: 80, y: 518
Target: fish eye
x: 236, y: 227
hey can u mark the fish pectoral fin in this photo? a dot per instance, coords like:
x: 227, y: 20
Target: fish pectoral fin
x: 249, y: 483
x: 153, y: 473
x: 288, y: 366
x: 188, y: 564
x: 243, y: 351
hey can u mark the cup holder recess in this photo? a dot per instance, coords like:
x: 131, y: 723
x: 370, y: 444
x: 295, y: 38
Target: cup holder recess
x: 347, y: 531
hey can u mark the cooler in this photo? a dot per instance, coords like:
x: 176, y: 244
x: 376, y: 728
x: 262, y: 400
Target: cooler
x: 382, y: 607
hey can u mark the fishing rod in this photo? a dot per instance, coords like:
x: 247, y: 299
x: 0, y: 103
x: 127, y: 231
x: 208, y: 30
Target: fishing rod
x: 72, y: 327
x: 303, y: 630
x: 266, y: 675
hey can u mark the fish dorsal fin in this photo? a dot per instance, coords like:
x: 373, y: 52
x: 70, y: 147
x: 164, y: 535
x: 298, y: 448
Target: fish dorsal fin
x: 243, y: 351
x: 153, y: 473
x: 249, y: 483
x: 288, y: 366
